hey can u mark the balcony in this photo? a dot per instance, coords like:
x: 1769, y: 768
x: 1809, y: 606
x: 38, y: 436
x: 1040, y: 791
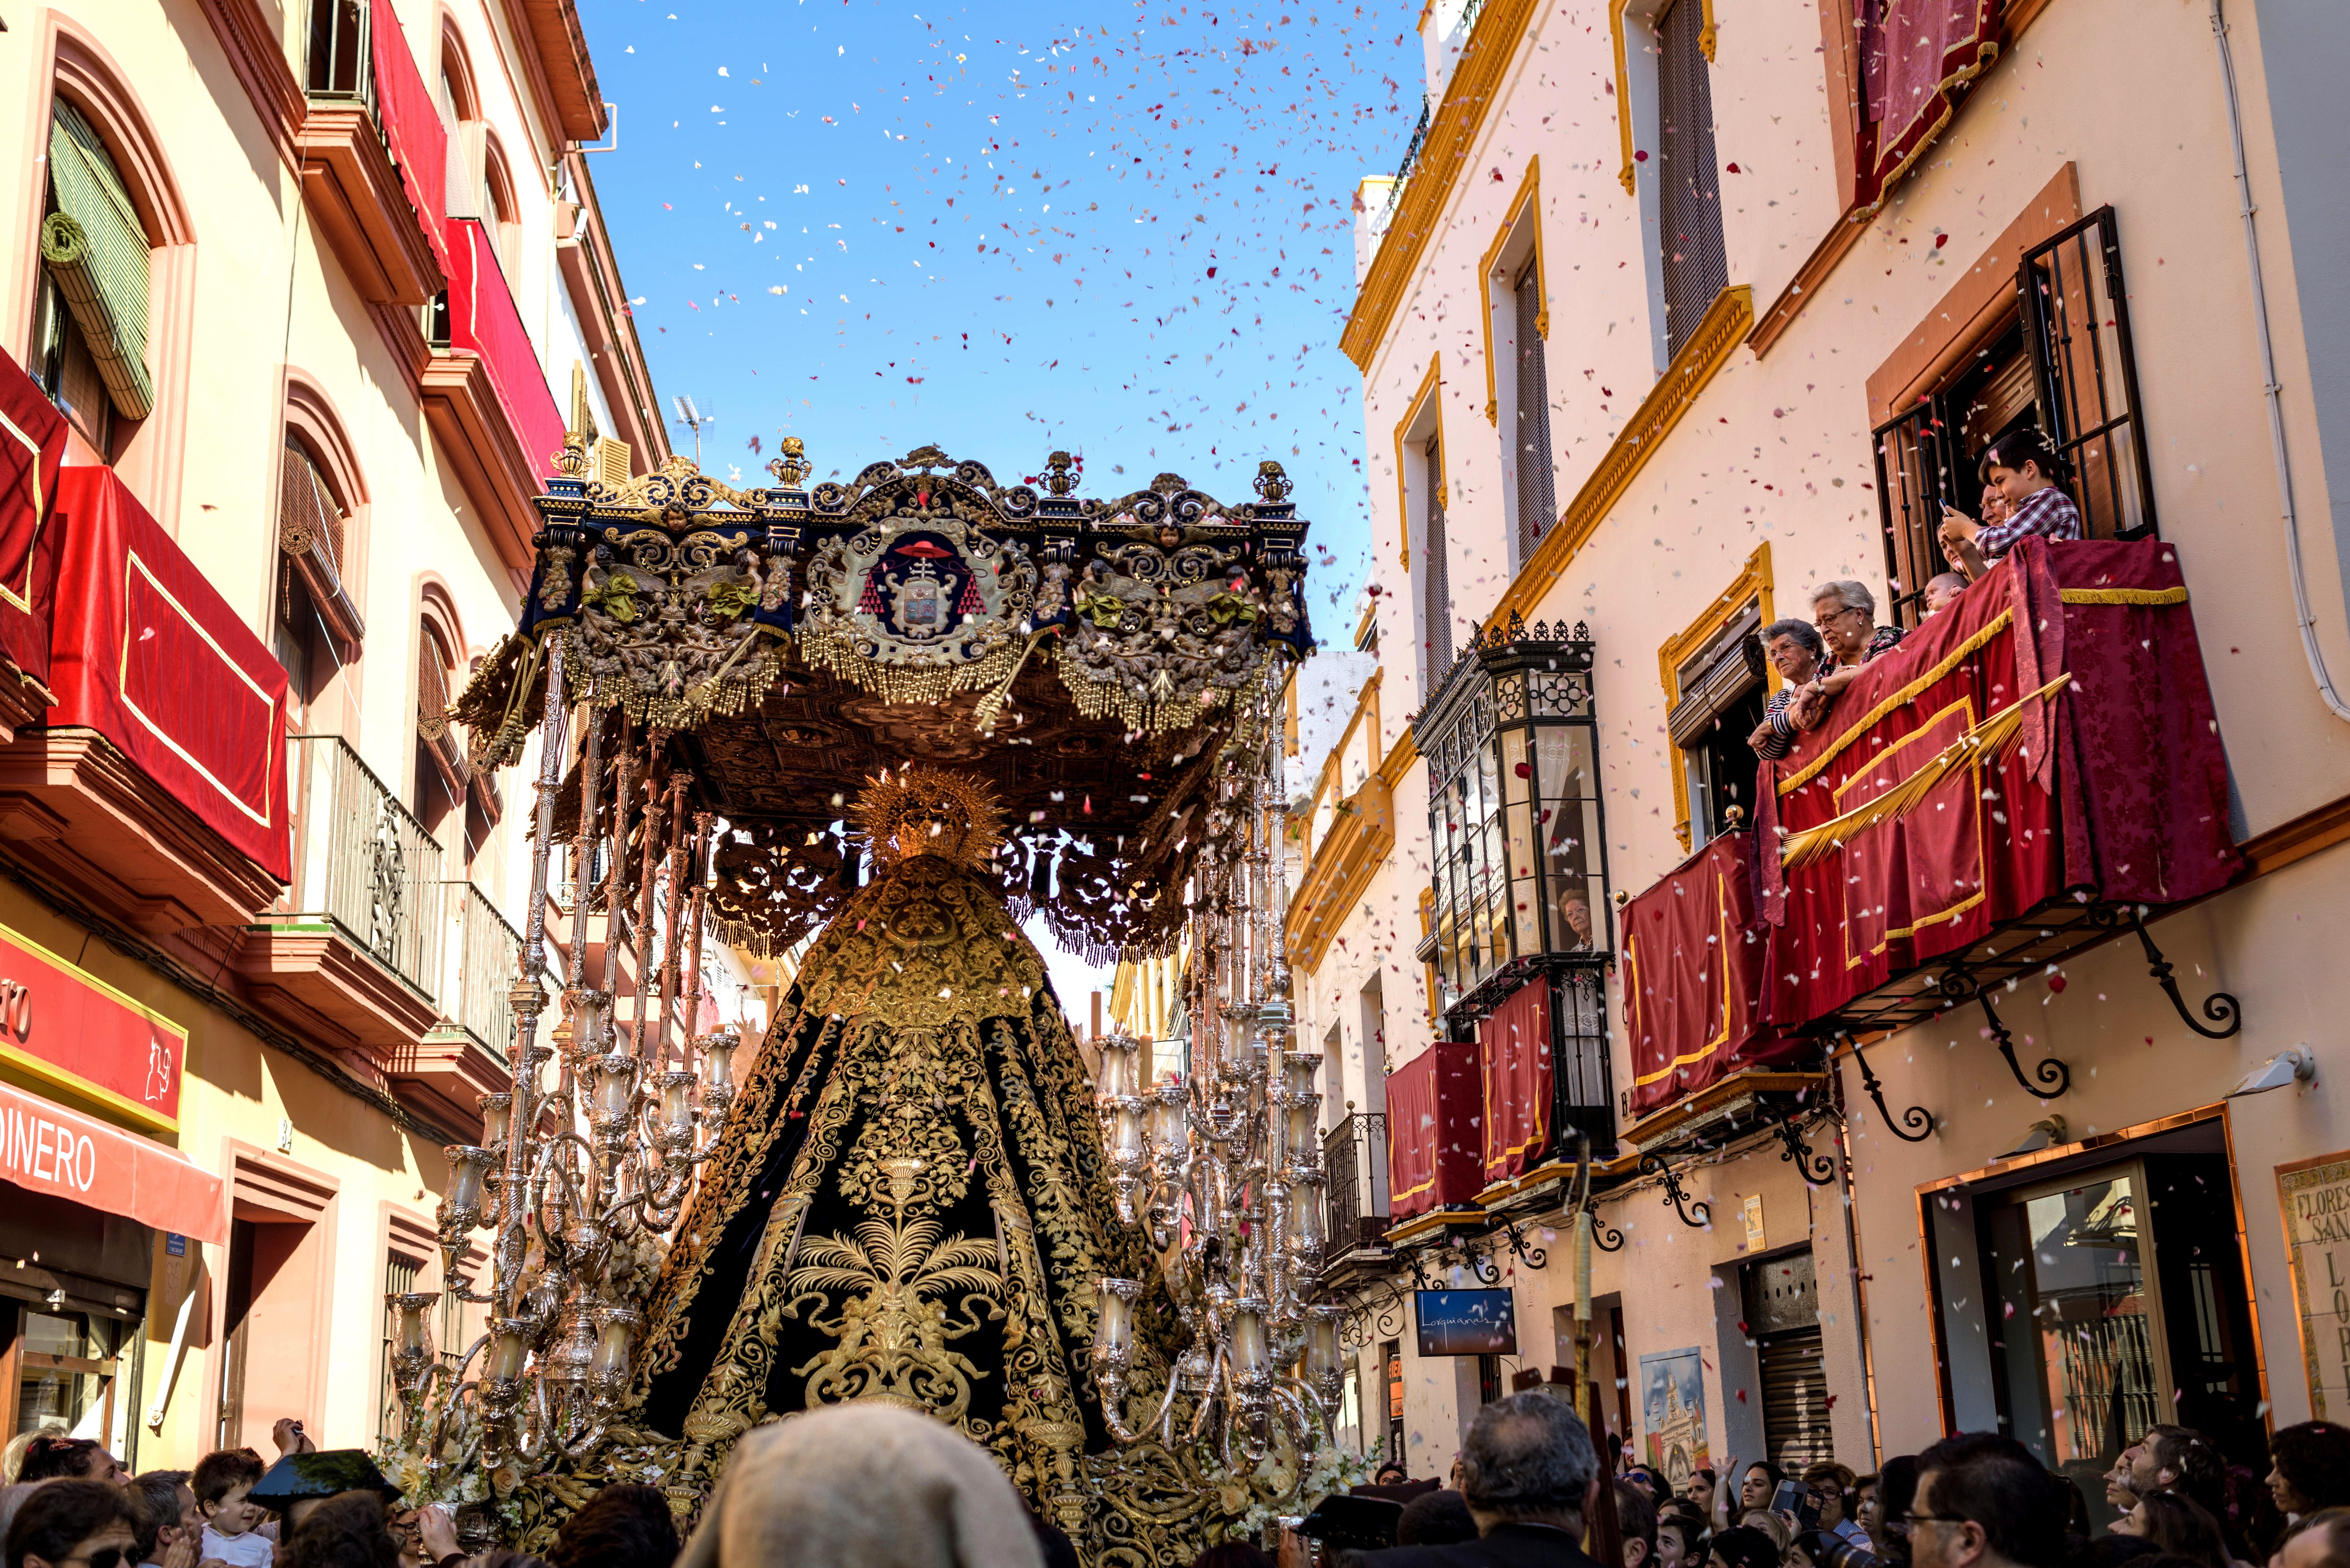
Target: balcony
x: 1434, y: 1102
x: 355, y: 961
x: 468, y: 1052
x: 1355, y: 1167
x: 2036, y: 770
x: 155, y: 796
x: 485, y: 395
x: 374, y: 152
x: 1518, y: 847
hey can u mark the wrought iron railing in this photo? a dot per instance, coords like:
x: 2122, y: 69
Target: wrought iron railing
x: 357, y: 53
x: 1354, y: 1165
x: 365, y: 864
x: 1403, y: 170
x: 483, y: 958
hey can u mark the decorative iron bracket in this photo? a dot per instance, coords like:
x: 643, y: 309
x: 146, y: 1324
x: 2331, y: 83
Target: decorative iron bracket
x: 1603, y: 1236
x: 2221, y: 1007
x: 1914, y: 1116
x: 1525, y: 1251
x: 2050, y: 1079
x: 1789, y: 1131
x: 1654, y: 1165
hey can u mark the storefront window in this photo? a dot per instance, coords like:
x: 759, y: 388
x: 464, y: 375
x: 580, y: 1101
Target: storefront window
x: 2081, y: 1357
x: 65, y: 1373
x: 2079, y: 1308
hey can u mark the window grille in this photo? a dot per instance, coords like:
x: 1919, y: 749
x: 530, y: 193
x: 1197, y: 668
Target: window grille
x: 2073, y: 309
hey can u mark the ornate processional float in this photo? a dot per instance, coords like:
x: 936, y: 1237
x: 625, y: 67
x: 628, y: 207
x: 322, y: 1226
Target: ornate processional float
x: 872, y: 728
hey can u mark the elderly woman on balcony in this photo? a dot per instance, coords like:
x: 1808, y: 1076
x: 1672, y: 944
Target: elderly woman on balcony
x: 1796, y: 651
x: 1846, y: 614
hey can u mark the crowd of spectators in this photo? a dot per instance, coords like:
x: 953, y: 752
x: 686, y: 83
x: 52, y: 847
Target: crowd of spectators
x: 1974, y: 1501
x: 866, y: 1486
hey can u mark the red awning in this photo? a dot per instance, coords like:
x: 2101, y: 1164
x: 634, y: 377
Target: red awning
x: 2048, y: 734
x: 1433, y: 1154
x: 32, y: 448
x: 1694, y: 968
x: 47, y: 1148
x: 144, y: 651
x: 1513, y: 1051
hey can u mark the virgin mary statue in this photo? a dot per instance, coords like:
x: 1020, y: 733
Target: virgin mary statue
x: 909, y: 1203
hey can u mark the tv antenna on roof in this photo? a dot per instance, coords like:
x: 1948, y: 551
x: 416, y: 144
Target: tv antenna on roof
x: 693, y: 419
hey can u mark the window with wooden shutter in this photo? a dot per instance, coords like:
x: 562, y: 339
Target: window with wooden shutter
x: 1537, y: 503
x: 1689, y: 202
x: 313, y: 541
x: 1436, y: 588
x: 95, y: 260
x: 2062, y: 362
x: 434, y: 733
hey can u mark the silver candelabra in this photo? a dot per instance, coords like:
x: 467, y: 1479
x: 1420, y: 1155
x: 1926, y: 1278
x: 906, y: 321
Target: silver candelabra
x: 1223, y: 1168
x: 580, y: 1180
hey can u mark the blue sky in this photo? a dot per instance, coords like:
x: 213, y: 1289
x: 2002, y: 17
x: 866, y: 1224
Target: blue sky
x: 1125, y: 231
x: 1128, y: 233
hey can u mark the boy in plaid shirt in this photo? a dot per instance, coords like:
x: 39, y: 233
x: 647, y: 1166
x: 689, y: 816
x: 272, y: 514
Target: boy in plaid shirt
x: 2023, y: 468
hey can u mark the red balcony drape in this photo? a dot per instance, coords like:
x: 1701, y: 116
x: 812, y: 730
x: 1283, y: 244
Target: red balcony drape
x: 413, y: 127
x: 1917, y: 58
x: 1957, y: 785
x: 144, y: 651
x: 32, y: 450
x: 483, y: 320
x: 1514, y: 1059
x: 1433, y: 1154
x: 1694, y: 954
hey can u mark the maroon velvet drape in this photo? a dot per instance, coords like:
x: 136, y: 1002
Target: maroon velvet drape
x: 1514, y: 1050
x: 1432, y: 1138
x: 146, y: 652
x: 32, y: 450
x: 1694, y: 978
x: 1916, y: 57
x: 2114, y: 789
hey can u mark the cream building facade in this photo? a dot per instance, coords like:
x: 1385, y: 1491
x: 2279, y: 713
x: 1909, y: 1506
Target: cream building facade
x: 318, y: 288
x: 1669, y: 309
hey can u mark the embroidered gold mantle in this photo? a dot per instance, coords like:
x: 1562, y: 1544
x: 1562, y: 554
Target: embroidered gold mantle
x: 910, y: 1205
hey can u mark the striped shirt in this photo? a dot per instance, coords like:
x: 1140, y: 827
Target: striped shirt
x: 2048, y: 513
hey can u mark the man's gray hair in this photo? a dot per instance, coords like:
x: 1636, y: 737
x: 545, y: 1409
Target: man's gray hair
x: 1850, y: 595
x: 1527, y: 1455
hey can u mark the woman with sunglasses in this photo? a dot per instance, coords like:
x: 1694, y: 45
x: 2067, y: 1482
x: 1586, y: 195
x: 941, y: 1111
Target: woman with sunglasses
x: 73, y: 1524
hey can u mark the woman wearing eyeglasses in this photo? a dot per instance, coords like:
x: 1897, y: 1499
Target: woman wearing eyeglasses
x: 73, y: 1524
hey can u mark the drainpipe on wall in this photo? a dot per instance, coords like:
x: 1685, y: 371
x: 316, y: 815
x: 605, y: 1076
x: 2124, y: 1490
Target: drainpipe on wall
x: 2270, y: 388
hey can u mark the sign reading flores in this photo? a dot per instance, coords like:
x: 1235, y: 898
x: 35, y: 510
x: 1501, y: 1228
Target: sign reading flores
x: 2316, y: 1197
x: 66, y: 1026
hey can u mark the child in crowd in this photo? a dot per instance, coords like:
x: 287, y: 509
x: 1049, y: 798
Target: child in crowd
x: 2023, y: 468
x: 231, y: 1535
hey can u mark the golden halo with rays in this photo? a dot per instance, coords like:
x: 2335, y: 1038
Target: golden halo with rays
x: 920, y: 810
